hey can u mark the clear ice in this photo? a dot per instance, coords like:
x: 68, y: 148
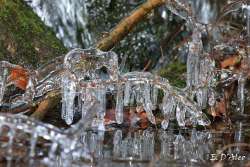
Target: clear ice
x: 241, y: 92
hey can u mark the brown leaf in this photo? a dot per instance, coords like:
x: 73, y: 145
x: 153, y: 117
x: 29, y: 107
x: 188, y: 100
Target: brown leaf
x: 231, y: 61
x: 20, y: 77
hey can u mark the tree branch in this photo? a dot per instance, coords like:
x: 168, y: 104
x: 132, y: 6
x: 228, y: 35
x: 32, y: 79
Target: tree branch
x: 107, y: 43
x: 127, y: 24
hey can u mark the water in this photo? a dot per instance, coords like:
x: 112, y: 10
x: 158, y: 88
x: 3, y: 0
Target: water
x: 122, y: 147
x: 67, y: 18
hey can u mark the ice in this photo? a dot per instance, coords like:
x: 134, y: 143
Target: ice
x: 117, y: 142
x: 200, y: 68
x: 180, y: 115
x: 148, y: 106
x: 168, y: 107
x: 202, y: 96
x: 33, y: 142
x: 154, y: 96
x: 101, y: 97
x: 247, y: 7
x: 68, y: 98
x: 241, y: 92
x: 127, y: 93
x: 193, y: 59
x: 119, y: 104
x: 11, y: 136
x: 179, y: 143
x: 3, y: 80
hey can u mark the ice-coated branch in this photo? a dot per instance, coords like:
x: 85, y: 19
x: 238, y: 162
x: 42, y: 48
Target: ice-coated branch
x: 93, y: 72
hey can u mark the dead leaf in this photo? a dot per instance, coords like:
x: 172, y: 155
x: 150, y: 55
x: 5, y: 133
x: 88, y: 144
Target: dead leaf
x: 231, y: 61
x: 20, y: 77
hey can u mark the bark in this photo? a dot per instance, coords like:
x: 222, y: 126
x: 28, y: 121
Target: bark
x: 127, y: 24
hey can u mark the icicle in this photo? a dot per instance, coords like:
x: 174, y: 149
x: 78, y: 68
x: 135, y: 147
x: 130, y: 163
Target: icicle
x: 33, y: 144
x: 190, y: 70
x: 178, y: 146
x: 101, y: 97
x: 193, y: 66
x: 154, y: 96
x: 248, y: 25
x: 139, y: 94
x: 211, y: 99
x: 30, y: 90
x: 240, y: 92
x: 11, y: 136
x: 180, y: 115
x: 52, y: 151
x: 3, y: 79
x: 119, y: 104
x: 117, y: 142
x: 202, y: 96
x: 68, y: 98
x: 127, y: 93
x: 168, y: 106
x: 148, y: 106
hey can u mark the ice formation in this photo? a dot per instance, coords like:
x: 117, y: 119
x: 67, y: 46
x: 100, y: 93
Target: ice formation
x: 93, y: 72
x: 200, y: 69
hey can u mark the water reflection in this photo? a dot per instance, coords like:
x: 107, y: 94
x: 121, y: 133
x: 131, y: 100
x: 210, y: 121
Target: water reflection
x: 158, y: 148
x: 150, y: 147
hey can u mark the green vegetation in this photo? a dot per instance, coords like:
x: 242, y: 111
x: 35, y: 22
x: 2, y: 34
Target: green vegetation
x: 24, y: 39
x: 174, y: 73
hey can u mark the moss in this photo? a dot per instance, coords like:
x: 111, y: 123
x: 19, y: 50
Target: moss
x: 174, y: 72
x: 24, y: 39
